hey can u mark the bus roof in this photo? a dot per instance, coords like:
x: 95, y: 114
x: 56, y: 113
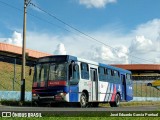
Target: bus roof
x: 70, y: 57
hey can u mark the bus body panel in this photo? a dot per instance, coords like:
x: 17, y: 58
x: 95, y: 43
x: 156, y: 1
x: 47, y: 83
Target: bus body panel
x: 73, y: 93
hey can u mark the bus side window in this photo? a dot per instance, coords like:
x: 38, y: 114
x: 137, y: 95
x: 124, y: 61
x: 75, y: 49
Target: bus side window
x: 128, y: 79
x: 117, y: 76
x: 112, y: 72
x: 84, y: 71
x: 71, y: 70
x: 106, y: 71
x: 102, y: 74
x: 109, y: 75
x: 76, y: 71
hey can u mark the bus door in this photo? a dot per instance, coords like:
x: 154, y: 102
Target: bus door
x: 123, y: 79
x: 94, y: 80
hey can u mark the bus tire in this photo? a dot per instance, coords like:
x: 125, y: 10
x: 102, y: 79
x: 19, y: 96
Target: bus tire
x: 112, y: 104
x: 117, y: 100
x: 83, y: 100
x: 116, y: 103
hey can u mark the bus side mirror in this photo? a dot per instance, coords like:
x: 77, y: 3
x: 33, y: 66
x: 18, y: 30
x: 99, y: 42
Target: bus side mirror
x: 30, y: 71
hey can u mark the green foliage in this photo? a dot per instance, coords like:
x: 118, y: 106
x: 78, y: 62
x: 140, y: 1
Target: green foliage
x: 84, y: 118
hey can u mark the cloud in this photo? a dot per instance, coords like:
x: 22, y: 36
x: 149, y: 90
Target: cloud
x: 96, y: 3
x: 16, y: 39
x: 60, y: 50
x: 150, y: 29
x: 108, y: 55
x: 141, y: 45
x: 143, y: 42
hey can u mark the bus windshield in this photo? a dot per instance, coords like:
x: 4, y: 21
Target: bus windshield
x: 58, y: 71
x: 50, y: 71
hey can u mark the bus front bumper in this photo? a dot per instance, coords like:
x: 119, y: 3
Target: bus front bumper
x: 48, y: 99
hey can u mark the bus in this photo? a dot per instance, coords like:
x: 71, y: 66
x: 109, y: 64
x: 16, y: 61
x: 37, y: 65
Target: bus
x: 69, y: 79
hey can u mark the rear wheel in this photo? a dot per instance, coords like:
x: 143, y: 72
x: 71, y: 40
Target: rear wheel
x: 116, y: 103
x: 83, y: 100
x: 112, y: 104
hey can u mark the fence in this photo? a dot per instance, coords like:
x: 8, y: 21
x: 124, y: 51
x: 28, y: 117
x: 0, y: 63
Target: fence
x: 10, y: 74
x: 140, y: 89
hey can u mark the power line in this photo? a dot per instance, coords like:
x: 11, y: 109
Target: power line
x: 69, y: 25
x: 53, y: 16
x: 91, y: 38
x: 11, y: 6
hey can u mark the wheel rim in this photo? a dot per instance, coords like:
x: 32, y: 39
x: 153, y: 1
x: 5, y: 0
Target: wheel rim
x: 117, y: 100
x: 83, y: 101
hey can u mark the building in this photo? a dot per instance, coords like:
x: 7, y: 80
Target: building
x: 142, y: 71
x: 12, y: 53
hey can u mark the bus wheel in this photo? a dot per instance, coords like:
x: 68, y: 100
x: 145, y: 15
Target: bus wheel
x: 36, y: 104
x: 112, y: 104
x: 83, y: 100
x: 117, y: 100
x: 116, y: 103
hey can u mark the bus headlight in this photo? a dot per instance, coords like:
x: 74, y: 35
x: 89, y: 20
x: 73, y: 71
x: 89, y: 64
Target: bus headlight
x: 34, y: 95
x: 62, y: 94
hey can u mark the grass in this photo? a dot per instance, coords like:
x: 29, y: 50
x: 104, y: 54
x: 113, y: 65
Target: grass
x: 144, y: 103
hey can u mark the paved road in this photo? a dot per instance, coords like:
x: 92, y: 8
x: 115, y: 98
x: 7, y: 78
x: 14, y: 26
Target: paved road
x: 131, y: 108
x: 77, y: 112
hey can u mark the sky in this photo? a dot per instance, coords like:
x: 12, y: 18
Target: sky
x: 127, y: 31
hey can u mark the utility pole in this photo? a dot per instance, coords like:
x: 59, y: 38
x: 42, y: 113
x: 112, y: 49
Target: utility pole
x: 26, y: 2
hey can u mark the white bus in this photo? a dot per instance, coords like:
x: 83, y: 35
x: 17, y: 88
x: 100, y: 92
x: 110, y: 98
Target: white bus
x: 65, y: 78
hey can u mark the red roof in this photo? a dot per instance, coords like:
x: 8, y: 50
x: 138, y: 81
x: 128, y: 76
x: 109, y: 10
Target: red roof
x: 18, y: 50
x: 138, y: 66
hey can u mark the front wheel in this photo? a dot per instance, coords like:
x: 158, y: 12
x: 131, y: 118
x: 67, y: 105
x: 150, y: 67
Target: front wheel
x: 83, y: 100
